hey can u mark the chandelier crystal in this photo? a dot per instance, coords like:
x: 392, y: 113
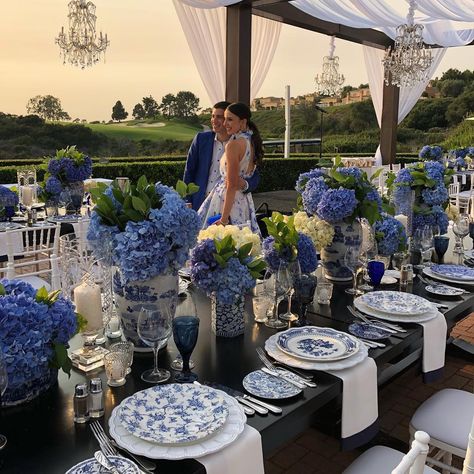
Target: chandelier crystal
x: 330, y: 81
x: 409, y: 61
x: 80, y: 46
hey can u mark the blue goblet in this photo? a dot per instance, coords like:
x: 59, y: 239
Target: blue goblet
x: 305, y: 286
x: 375, y: 269
x: 185, y: 334
x: 441, y: 244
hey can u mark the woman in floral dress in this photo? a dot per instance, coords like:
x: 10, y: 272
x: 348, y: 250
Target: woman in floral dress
x: 243, y: 152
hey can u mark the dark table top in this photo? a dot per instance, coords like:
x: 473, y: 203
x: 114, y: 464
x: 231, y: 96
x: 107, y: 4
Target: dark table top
x: 42, y: 437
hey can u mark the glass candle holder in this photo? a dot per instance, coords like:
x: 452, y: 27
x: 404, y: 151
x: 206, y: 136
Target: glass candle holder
x: 126, y: 348
x: 261, y: 306
x: 115, y: 368
x: 324, y: 292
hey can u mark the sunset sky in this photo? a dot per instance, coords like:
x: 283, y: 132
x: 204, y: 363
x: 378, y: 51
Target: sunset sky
x: 148, y: 55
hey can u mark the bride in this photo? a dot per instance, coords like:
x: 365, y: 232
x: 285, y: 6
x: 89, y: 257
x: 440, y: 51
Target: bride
x: 243, y: 152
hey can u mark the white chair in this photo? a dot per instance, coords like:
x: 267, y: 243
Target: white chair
x: 447, y: 416
x: 383, y: 460
x: 453, y: 192
x: 396, y: 167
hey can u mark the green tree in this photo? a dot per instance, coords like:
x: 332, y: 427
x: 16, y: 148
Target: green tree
x: 168, y: 105
x: 346, y: 89
x: 187, y: 104
x: 138, y: 112
x: 461, y: 106
x: 428, y: 114
x: 452, y: 87
x: 47, y: 107
x: 150, y: 106
x: 118, y: 111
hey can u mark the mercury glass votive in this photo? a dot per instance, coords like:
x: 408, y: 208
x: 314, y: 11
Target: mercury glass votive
x: 115, y: 368
x: 126, y: 348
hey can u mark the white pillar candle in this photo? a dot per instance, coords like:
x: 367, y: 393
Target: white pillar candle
x: 27, y: 195
x: 89, y: 304
x: 403, y: 220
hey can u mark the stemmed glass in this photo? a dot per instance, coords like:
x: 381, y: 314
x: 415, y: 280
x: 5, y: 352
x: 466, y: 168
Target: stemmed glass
x: 3, y: 388
x: 294, y: 272
x: 64, y: 202
x: 305, y: 286
x: 426, y: 245
x: 354, y: 264
x: 154, y: 329
x: 460, y: 229
x: 279, y: 285
x: 368, y: 250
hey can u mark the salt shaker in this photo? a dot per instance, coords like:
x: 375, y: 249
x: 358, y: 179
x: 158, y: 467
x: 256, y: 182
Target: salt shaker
x: 81, y: 403
x: 96, y: 399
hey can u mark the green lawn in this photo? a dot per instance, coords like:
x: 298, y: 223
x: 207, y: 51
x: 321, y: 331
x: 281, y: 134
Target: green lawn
x: 170, y: 130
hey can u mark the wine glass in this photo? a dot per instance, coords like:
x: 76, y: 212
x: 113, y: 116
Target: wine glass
x: 460, y: 229
x: 368, y: 250
x: 64, y: 202
x: 426, y: 245
x: 294, y: 272
x: 3, y: 388
x: 279, y: 285
x: 305, y: 286
x: 354, y: 264
x: 154, y: 329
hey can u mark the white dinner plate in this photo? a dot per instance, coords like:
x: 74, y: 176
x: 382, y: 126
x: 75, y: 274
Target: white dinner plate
x: 427, y: 271
x: 396, y: 303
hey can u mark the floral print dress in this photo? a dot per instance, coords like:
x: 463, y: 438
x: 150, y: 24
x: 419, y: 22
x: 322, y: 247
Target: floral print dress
x: 243, y: 209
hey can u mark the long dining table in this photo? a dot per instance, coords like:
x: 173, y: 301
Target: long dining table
x: 42, y: 437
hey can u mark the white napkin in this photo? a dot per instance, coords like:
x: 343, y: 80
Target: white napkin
x: 359, y: 400
x: 244, y: 455
x: 463, y: 177
x: 434, y: 344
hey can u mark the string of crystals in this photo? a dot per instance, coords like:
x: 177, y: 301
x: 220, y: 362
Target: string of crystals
x: 409, y: 61
x: 80, y: 46
x: 330, y: 81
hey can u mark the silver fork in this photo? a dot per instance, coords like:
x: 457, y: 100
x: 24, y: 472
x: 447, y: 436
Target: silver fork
x: 106, y: 446
x: 391, y: 328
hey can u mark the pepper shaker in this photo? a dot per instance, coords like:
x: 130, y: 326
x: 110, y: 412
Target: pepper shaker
x: 81, y: 403
x: 96, y: 398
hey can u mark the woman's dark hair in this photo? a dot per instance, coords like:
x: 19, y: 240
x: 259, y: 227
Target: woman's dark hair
x: 243, y: 112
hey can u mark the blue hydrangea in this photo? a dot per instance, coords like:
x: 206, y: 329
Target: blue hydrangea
x: 434, y: 170
x: 461, y: 162
x: 373, y: 195
x: 156, y: 246
x: 336, y: 204
x: 8, y: 197
x: 390, y: 235
x: 404, y: 177
x: 312, y: 194
x: 303, y: 178
x: 431, y: 152
x: 435, y: 196
x: 307, y: 254
x: 458, y: 153
x: 440, y: 219
x: 53, y: 185
x: 67, y: 171
x: 356, y: 173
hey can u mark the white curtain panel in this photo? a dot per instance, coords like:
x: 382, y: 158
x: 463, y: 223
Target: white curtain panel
x: 205, y: 29
x: 456, y: 10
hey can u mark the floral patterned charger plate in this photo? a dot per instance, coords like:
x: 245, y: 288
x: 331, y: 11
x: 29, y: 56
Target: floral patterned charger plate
x: 174, y: 413
x: 91, y: 466
x: 396, y: 302
x: 458, y: 272
x: 314, y: 343
x: 264, y: 385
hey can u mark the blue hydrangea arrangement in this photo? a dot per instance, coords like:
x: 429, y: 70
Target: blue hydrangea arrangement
x: 8, y: 202
x: 429, y: 180
x: 390, y: 234
x: 147, y: 230
x: 343, y: 194
x: 35, y: 328
x: 67, y: 166
x: 219, y: 267
x: 434, y: 153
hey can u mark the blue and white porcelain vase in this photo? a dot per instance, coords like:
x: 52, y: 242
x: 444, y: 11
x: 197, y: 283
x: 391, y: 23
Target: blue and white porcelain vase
x: 227, y: 320
x: 333, y: 256
x: 130, y: 298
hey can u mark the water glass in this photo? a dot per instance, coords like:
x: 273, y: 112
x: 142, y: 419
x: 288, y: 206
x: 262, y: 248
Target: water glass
x: 441, y: 244
x: 399, y: 259
x: 281, y: 287
x: 305, y: 286
x: 376, y: 270
x: 460, y: 229
x: 185, y: 334
x: 51, y: 208
x: 294, y: 272
x: 324, y: 292
x: 126, y: 348
x: 185, y: 307
x: 354, y: 264
x: 115, y: 368
x: 261, y: 306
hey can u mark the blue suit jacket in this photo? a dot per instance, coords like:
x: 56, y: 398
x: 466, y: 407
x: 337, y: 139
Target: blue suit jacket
x: 198, y: 164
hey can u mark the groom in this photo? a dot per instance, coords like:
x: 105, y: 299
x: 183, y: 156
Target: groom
x: 205, y: 153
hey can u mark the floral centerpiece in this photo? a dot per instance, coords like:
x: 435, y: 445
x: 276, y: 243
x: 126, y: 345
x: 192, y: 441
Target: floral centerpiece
x: 8, y: 202
x: 146, y: 232
x: 434, y: 153
x: 35, y: 328
x: 339, y: 197
x: 320, y: 232
x: 425, y: 184
x: 390, y: 235
x: 285, y: 244
x: 225, y: 265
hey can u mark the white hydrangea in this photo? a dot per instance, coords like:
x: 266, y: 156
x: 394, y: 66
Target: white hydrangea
x: 319, y: 231
x: 240, y: 236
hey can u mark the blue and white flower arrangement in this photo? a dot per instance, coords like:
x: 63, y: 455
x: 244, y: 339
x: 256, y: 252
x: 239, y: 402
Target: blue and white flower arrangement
x: 285, y: 244
x: 390, y: 235
x: 434, y: 153
x: 35, y: 328
x: 226, y: 266
x: 429, y: 180
x: 8, y: 202
x: 147, y: 229
x: 68, y: 166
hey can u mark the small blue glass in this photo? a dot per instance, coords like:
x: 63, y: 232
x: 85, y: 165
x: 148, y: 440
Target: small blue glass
x: 375, y: 270
x: 441, y: 244
x: 185, y: 334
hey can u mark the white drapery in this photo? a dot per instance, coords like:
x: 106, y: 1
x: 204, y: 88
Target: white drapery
x: 408, y: 95
x: 204, y: 25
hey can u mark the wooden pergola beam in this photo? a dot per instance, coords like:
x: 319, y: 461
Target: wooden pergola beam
x: 389, y: 124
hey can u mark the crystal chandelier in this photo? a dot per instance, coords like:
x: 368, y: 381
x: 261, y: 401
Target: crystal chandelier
x: 81, y: 46
x: 409, y: 61
x: 330, y: 81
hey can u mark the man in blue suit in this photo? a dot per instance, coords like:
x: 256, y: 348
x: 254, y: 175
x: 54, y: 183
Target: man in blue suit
x: 202, y: 164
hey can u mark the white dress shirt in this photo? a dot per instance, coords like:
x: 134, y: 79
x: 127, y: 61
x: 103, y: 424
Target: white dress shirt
x: 214, y: 171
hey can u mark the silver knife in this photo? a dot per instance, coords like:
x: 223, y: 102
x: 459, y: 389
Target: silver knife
x: 296, y: 377
x: 259, y: 409
x: 101, y: 458
x: 364, y: 318
x: 272, y: 408
x: 284, y: 377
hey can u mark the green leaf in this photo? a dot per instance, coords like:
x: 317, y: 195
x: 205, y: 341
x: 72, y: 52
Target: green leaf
x: 118, y: 195
x: 61, y: 359
x: 227, y: 255
x: 376, y: 175
x: 142, y: 183
x: 133, y: 215
x: 245, y: 250
x: 220, y: 260
x: 81, y: 323
x: 2, y: 290
x: 42, y: 295
x: 139, y: 205
x: 181, y: 188
x: 192, y: 188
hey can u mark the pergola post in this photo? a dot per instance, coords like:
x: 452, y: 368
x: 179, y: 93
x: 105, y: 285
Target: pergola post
x: 238, y: 51
x: 388, y: 127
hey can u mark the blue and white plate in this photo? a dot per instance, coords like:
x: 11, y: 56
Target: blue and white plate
x: 368, y: 331
x: 396, y: 302
x: 458, y: 272
x: 314, y: 343
x: 264, y: 385
x: 91, y: 466
x: 174, y: 413
x: 10, y: 226
x: 66, y: 218
x: 443, y: 290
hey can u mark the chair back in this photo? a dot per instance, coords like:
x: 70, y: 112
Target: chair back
x: 468, y: 466
x: 396, y: 167
x: 414, y: 461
